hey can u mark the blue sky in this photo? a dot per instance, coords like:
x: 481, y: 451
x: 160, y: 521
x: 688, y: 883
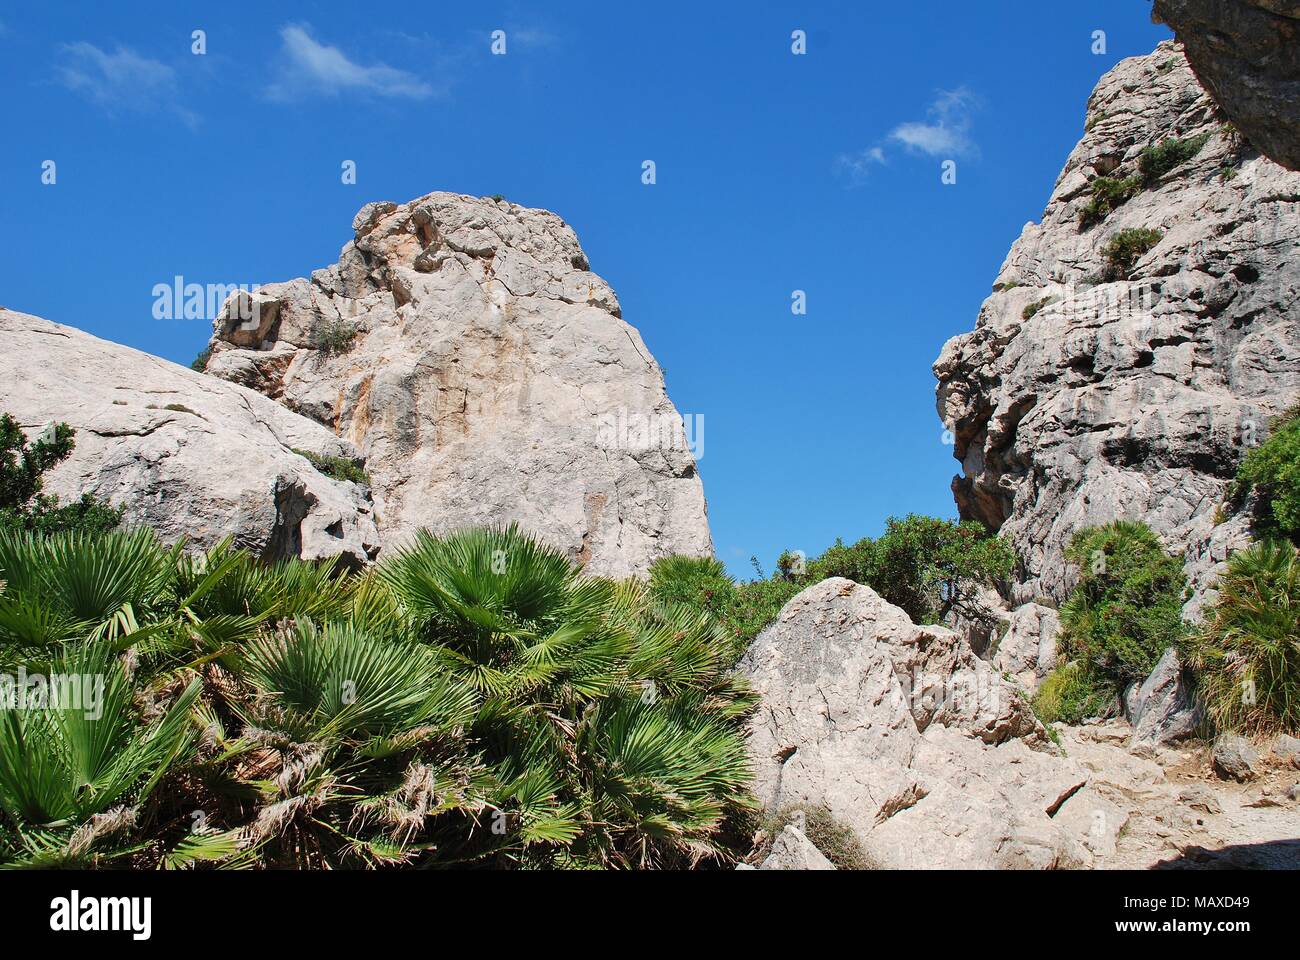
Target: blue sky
x: 775, y: 173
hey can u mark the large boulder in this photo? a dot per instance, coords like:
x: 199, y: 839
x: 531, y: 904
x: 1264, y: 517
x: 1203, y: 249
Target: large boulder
x: 186, y: 454
x: 1163, y: 709
x: 1091, y: 390
x: 1247, y: 53
x: 486, y: 374
x: 1027, y: 650
x: 912, y: 742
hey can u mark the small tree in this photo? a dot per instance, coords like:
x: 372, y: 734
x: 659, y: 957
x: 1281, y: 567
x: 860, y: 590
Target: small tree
x: 22, y: 469
x: 932, y: 568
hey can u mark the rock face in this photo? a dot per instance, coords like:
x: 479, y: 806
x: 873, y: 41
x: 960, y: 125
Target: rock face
x: 464, y: 346
x: 186, y: 454
x: 913, y: 742
x: 1027, y: 651
x: 1247, y: 53
x: 1163, y: 709
x: 1093, y: 390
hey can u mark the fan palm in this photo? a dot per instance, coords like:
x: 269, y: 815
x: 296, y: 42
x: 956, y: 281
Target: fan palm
x: 1247, y: 657
x: 72, y: 770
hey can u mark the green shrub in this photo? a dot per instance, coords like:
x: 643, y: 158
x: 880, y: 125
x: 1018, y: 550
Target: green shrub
x: 1121, y: 617
x: 1069, y: 695
x: 335, y: 336
x: 1272, y: 471
x: 1246, y: 659
x: 22, y: 469
x: 931, y: 568
x: 1155, y: 162
x: 1108, y: 193
x: 339, y: 468
x: 1036, y: 307
x: 1125, y: 249
x: 742, y: 610
x: 200, y: 363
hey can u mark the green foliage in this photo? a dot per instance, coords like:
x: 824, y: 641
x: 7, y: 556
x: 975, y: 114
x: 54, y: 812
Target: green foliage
x: 1272, y: 472
x: 1247, y: 657
x: 474, y: 699
x: 1157, y: 161
x: 22, y: 467
x: 741, y: 610
x: 335, y: 336
x: 1036, y: 307
x: 931, y: 568
x: 339, y: 468
x: 1126, y: 248
x: 1070, y: 695
x: 1108, y: 194
x: 1121, y: 617
x: 200, y: 363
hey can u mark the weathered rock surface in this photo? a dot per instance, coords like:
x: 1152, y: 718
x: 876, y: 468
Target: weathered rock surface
x: 1235, y: 759
x: 1247, y: 53
x: 1163, y: 709
x: 188, y: 455
x: 464, y: 346
x: 1078, y: 399
x: 909, y: 739
x: 1027, y: 651
x: 1287, y: 749
x: 792, y: 850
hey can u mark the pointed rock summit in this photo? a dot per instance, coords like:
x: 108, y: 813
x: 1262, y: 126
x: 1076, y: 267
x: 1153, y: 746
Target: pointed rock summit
x: 486, y: 375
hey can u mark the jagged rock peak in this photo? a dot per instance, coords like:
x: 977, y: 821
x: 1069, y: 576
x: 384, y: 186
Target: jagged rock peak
x: 487, y: 375
x: 1133, y: 349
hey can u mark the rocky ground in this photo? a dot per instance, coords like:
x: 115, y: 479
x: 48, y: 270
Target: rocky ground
x: 1180, y: 814
x: 929, y: 757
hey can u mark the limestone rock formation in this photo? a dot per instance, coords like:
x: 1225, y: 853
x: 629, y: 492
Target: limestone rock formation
x: 1106, y: 382
x: 913, y: 742
x: 1247, y: 53
x: 1027, y: 651
x: 188, y: 455
x: 464, y: 346
x: 1163, y: 709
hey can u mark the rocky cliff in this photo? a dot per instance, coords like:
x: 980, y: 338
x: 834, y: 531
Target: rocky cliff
x: 188, y: 455
x: 1139, y: 337
x: 486, y: 375
x: 1247, y: 53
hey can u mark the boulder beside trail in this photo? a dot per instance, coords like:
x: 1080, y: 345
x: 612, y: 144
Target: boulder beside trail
x: 912, y: 742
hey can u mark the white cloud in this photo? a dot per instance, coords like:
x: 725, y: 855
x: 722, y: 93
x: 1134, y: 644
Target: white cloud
x: 858, y: 165
x: 947, y: 134
x: 121, y: 80
x: 310, y: 68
